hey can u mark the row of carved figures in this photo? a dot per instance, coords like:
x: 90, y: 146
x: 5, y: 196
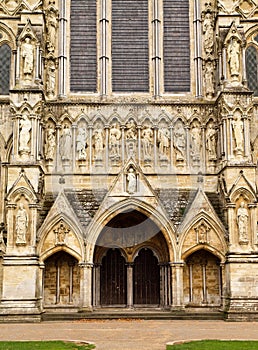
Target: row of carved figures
x: 165, y: 143
x: 131, y: 139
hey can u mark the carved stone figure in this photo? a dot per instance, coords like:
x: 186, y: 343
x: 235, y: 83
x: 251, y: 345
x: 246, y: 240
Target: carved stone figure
x: 51, y: 78
x: 131, y: 138
x: 81, y: 143
x: 114, y: 140
x: 211, y: 142
x: 131, y: 181
x: 208, y: 33
x: 25, y: 134
x: 180, y: 142
x: 98, y: 143
x: 50, y: 144
x: 21, y: 225
x: 234, y: 57
x: 242, y: 221
x: 27, y: 52
x: 66, y: 143
x: 147, y: 142
x: 238, y: 133
x: 61, y: 233
x: 51, y: 23
x: 195, y: 140
x: 209, y: 79
x: 163, y: 141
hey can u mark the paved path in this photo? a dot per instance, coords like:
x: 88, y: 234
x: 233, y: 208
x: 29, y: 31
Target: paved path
x: 129, y: 334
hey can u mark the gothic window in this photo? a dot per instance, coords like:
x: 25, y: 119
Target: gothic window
x: 123, y: 48
x: 83, y: 53
x: 5, y: 66
x: 176, y: 45
x: 251, y: 69
x: 130, y: 52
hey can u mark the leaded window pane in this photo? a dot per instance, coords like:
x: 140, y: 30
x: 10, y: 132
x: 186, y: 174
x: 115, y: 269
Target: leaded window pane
x: 251, y: 69
x: 83, y: 56
x: 5, y: 67
x: 130, y: 46
x: 176, y: 44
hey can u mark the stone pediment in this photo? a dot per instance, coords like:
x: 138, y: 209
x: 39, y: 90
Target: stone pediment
x: 22, y: 184
x: 242, y: 183
x: 200, y: 206
x: 61, y: 209
x: 131, y: 184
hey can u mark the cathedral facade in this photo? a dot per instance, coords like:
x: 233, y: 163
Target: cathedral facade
x: 128, y: 157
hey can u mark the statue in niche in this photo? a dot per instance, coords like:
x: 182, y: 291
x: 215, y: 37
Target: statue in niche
x: 163, y: 141
x: 25, y: 134
x: 242, y: 222
x: 27, y: 52
x: 21, y: 225
x: 51, y: 79
x: 234, y: 57
x: 147, y: 142
x: 209, y: 79
x: 179, y: 142
x: 131, y: 181
x: 50, y: 143
x: 66, y: 143
x: 208, y: 33
x: 131, y: 138
x: 61, y: 233
x: 51, y: 23
x: 81, y: 143
x: 238, y: 133
x: 98, y: 143
x: 195, y: 140
x: 114, y: 140
x: 211, y: 142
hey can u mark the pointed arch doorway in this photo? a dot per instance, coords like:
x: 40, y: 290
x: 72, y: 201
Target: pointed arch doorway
x: 131, y: 264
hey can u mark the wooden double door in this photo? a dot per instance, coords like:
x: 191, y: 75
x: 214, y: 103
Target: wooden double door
x: 121, y: 283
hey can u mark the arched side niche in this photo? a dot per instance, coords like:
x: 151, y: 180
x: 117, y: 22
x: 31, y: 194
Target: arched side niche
x: 202, y: 279
x: 61, y: 280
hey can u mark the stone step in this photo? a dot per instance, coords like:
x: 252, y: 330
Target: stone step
x: 159, y: 315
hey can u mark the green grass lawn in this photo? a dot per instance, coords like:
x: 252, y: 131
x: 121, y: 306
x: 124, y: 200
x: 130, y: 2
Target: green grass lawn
x: 43, y: 345
x: 216, y: 345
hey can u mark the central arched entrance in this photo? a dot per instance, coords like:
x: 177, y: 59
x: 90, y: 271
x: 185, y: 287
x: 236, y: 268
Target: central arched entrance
x: 131, y: 263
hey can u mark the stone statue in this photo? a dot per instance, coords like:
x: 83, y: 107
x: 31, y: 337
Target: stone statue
x: 81, y: 143
x: 234, y: 57
x: 114, y: 140
x: 238, y: 133
x: 50, y: 144
x: 211, y: 142
x: 98, y: 143
x: 195, y: 140
x: 242, y: 222
x: 131, y: 181
x: 21, y: 225
x: 27, y: 52
x: 66, y: 143
x: 131, y: 138
x: 208, y: 33
x: 51, y: 23
x: 25, y: 134
x: 209, y: 79
x: 147, y: 142
x: 163, y: 141
x: 179, y: 142
x: 51, y: 78
x: 61, y: 233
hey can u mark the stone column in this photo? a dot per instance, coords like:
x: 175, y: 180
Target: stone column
x: 96, y: 285
x: 86, y: 286
x: 41, y: 286
x: 74, y: 129
x: 231, y: 207
x: 253, y: 223
x: 129, y: 285
x: 177, y: 278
